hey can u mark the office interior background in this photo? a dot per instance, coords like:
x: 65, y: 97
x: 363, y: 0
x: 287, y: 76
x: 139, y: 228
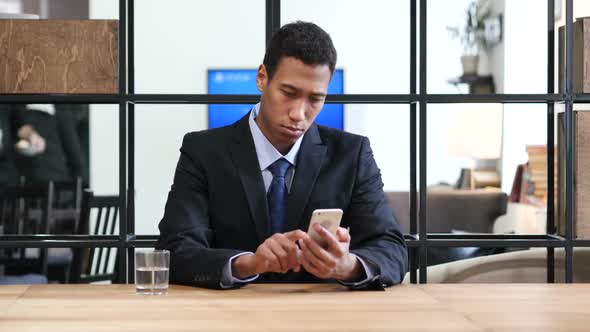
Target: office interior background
x: 177, y: 42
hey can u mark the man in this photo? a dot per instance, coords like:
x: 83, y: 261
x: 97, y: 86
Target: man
x: 244, y: 194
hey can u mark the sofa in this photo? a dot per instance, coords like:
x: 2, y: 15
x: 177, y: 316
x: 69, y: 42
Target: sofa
x: 526, y: 266
x: 453, y: 211
x: 484, y: 212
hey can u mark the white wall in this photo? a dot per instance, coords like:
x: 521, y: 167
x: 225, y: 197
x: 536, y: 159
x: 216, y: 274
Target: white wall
x: 104, y: 125
x: 372, y: 40
x: 443, y: 60
x: 525, y: 71
x: 177, y: 41
x: 496, y: 57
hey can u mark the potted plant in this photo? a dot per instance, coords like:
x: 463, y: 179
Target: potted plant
x: 471, y: 34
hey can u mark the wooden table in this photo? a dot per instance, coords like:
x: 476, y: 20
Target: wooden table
x: 513, y: 307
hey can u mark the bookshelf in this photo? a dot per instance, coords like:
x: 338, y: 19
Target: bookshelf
x: 418, y: 239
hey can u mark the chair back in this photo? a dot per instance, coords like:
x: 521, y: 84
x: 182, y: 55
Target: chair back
x: 66, y: 204
x: 25, y: 210
x: 99, y: 215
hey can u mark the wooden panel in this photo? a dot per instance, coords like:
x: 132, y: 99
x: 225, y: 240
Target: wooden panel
x: 581, y: 179
x: 561, y: 59
x: 584, y: 69
x: 59, y: 56
x: 581, y: 50
x: 311, y: 307
x: 561, y: 176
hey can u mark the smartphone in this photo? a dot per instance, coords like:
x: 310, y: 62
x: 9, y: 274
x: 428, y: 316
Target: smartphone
x: 329, y: 219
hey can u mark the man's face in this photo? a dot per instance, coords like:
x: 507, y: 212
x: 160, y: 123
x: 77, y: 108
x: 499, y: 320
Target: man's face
x: 291, y: 100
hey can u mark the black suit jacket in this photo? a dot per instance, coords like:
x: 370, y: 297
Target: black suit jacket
x: 217, y: 205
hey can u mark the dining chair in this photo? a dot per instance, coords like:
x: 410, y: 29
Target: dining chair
x: 99, y: 215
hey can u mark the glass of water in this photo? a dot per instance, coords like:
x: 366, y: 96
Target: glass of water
x: 151, y: 272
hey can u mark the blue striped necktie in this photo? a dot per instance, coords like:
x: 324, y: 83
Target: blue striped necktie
x: 277, y: 195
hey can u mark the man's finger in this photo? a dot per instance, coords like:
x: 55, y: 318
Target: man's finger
x: 269, y: 261
x: 280, y: 255
x: 291, y: 249
x: 330, y: 239
x: 310, y: 257
x: 295, y: 235
x: 323, y: 256
x: 309, y: 267
x: 343, y: 235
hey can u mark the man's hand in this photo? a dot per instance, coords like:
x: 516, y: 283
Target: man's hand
x: 36, y: 143
x: 279, y: 253
x: 335, y: 261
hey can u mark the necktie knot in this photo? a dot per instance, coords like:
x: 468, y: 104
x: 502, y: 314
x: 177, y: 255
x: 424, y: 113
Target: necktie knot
x: 279, y: 168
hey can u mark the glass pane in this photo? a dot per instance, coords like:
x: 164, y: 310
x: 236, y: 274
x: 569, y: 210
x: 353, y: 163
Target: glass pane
x: 49, y: 9
x: 157, y: 155
x: 388, y: 129
x: 62, y: 9
x: 495, y: 52
x: 104, y: 149
x: 49, y: 153
x: 24, y: 265
x: 103, y: 9
x: 491, y: 265
x: 177, y: 42
x: 372, y: 39
x: 487, y: 168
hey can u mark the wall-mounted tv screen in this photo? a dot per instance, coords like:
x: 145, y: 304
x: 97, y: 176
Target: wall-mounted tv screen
x: 243, y: 81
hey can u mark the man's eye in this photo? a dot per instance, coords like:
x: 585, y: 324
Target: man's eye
x: 288, y: 93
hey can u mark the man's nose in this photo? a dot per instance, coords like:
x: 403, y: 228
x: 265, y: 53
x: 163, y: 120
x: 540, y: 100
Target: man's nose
x: 297, y: 113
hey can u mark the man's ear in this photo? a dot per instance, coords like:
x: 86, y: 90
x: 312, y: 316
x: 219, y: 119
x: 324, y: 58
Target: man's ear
x: 261, y: 78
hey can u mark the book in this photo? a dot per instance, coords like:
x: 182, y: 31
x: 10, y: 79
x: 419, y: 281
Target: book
x: 536, y: 170
x: 581, y: 161
x: 516, y: 185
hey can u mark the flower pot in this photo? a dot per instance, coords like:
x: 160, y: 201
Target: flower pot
x: 470, y: 64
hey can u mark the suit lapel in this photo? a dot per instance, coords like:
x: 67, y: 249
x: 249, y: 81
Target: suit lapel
x: 243, y: 153
x: 309, y: 162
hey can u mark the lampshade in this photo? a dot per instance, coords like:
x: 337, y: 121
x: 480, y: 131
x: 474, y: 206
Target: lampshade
x: 475, y: 131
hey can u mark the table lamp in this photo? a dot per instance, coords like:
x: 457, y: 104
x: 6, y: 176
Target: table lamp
x: 475, y: 132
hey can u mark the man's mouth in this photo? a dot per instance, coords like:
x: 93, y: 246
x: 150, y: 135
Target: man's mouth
x: 294, y: 131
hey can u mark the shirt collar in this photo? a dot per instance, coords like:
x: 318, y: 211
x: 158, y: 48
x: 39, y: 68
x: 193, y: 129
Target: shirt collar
x: 265, y: 151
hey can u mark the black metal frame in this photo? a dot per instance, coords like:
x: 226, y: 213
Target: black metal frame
x: 419, y: 240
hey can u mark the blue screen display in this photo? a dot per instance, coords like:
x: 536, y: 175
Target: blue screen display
x: 243, y: 81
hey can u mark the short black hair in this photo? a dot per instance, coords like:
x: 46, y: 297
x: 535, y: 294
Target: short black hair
x: 304, y: 41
